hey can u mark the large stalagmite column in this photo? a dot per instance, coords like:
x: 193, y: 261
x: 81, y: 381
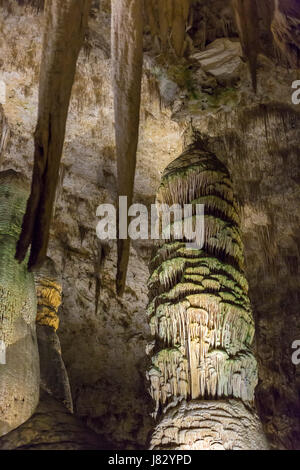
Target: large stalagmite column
x: 19, y: 364
x: 203, y: 372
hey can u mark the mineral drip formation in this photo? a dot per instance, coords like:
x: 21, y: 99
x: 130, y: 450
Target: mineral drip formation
x: 54, y: 377
x: 200, y: 316
x: 19, y: 365
x: 49, y: 292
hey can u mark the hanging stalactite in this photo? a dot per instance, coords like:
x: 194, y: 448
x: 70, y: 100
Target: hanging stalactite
x: 286, y: 29
x: 167, y: 20
x: 65, y: 25
x: 248, y: 27
x: 199, y: 310
x: 127, y: 59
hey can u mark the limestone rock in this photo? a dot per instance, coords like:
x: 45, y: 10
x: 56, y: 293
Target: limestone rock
x: 19, y: 374
x: 52, y: 427
x: 222, y: 59
x: 209, y: 425
x: 258, y: 140
x: 54, y: 377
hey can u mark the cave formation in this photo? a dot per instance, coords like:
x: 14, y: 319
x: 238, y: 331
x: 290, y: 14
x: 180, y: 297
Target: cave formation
x: 173, y: 101
x: 203, y: 367
x: 20, y: 368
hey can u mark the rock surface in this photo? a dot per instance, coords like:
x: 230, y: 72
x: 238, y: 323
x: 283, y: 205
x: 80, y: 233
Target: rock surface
x: 222, y: 59
x: 19, y: 365
x: 54, y: 377
x: 52, y: 427
x: 209, y: 425
x: 103, y: 337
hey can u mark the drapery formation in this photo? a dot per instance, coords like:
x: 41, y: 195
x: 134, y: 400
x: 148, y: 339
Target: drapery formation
x: 200, y: 316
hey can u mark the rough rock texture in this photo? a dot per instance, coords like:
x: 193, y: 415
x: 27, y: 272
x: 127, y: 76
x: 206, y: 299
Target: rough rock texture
x: 4, y: 130
x: 54, y: 377
x: 19, y: 367
x: 53, y: 374
x: 222, y: 59
x: 103, y: 337
x: 52, y: 427
x: 267, y: 139
x: 168, y: 21
x: 286, y: 29
x: 209, y: 425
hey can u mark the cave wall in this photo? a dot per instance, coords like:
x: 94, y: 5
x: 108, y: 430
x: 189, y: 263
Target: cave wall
x: 103, y: 337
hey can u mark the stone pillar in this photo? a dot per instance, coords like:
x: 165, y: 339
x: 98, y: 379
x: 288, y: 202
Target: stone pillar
x: 54, y: 377
x: 19, y: 359
x: 203, y: 372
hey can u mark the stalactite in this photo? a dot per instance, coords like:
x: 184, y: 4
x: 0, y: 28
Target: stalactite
x: 199, y: 311
x: 180, y: 16
x: 285, y: 28
x: 4, y: 131
x: 19, y: 371
x: 65, y: 24
x: 54, y: 377
x: 248, y: 27
x: 38, y: 4
x: 167, y: 20
x: 127, y: 60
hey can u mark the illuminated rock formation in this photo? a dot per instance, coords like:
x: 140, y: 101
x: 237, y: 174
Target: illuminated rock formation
x: 19, y: 368
x: 127, y: 61
x: 201, y: 318
x: 52, y: 427
x: 54, y: 377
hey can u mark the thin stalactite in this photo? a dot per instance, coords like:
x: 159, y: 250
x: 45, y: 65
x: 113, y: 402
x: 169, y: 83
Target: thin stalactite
x: 127, y: 61
x: 248, y: 27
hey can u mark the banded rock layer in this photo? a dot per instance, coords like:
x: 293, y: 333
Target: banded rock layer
x: 209, y: 425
